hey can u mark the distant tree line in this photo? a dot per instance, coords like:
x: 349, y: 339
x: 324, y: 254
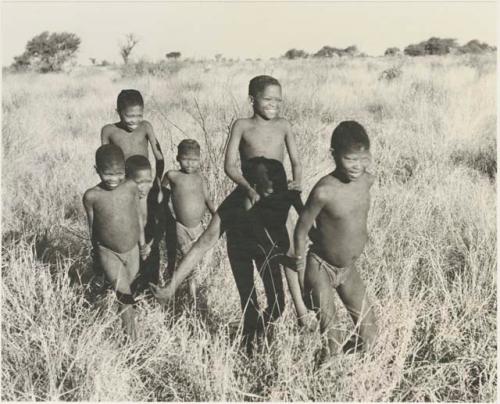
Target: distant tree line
x: 433, y: 46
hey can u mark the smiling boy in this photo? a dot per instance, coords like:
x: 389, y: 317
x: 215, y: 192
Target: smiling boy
x: 132, y: 133
x: 116, y: 229
x: 339, y: 205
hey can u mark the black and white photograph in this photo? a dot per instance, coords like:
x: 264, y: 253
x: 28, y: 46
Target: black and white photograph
x: 229, y: 201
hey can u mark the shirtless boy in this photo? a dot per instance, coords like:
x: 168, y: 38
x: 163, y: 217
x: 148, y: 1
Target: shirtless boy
x: 116, y: 229
x: 132, y: 133
x: 339, y: 205
x: 138, y: 169
x: 190, y: 199
x: 266, y: 135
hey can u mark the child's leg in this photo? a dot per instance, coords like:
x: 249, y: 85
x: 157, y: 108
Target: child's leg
x: 352, y: 292
x: 242, y: 268
x: 270, y: 272
x: 317, y: 283
x: 121, y: 279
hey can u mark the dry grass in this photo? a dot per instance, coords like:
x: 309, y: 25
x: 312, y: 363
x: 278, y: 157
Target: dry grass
x: 430, y: 263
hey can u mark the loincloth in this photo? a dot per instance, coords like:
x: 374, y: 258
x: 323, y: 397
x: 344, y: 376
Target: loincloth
x: 337, y: 275
x: 186, y: 236
x: 115, y: 263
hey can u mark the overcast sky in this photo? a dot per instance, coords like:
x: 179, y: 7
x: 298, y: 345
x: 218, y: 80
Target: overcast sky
x: 242, y: 29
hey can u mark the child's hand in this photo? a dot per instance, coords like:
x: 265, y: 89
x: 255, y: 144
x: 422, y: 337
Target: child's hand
x: 294, y: 186
x: 163, y: 295
x: 145, y: 250
x: 253, y: 196
x: 160, y: 192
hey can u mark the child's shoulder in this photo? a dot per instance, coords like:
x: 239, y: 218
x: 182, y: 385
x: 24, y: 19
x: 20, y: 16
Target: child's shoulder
x: 109, y: 128
x: 325, y: 187
x: 243, y: 123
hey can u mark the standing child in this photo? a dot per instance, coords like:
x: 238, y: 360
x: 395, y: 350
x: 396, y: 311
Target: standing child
x: 138, y: 169
x: 339, y: 205
x: 190, y: 199
x: 116, y: 229
x: 132, y: 133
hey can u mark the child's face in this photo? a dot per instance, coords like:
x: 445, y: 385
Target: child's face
x: 144, y: 181
x: 112, y: 175
x: 131, y: 116
x: 353, y: 163
x: 267, y: 102
x: 189, y: 162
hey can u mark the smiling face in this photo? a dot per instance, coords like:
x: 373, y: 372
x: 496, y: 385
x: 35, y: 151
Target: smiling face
x: 267, y: 102
x: 131, y: 116
x: 353, y: 163
x: 189, y: 162
x: 144, y: 180
x: 111, y: 175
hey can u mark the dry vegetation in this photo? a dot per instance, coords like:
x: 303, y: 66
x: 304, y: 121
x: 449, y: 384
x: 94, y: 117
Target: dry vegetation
x: 430, y: 263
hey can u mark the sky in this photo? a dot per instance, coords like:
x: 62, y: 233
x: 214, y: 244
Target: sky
x: 242, y: 29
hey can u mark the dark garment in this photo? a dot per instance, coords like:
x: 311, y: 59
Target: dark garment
x: 258, y: 236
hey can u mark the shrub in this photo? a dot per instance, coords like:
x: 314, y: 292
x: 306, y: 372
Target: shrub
x: 392, y: 51
x: 295, y: 54
x: 173, y: 55
x: 475, y: 46
x: 48, y: 52
x: 433, y: 46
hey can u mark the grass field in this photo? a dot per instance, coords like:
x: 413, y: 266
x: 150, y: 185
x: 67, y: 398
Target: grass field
x: 430, y: 263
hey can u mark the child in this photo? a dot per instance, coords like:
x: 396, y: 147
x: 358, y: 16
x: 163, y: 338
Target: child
x: 339, y: 205
x: 116, y: 228
x: 272, y: 209
x: 138, y: 169
x: 267, y: 135
x: 132, y: 133
x: 190, y: 199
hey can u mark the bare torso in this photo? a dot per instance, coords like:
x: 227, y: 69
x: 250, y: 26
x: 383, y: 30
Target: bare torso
x: 131, y: 143
x: 263, y: 139
x: 341, y: 223
x: 116, y: 222
x: 188, y: 198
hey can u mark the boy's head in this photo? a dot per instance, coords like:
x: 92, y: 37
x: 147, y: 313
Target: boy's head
x: 265, y: 96
x: 350, y: 148
x: 188, y: 155
x: 110, y: 165
x: 130, y: 107
x: 138, y: 169
x: 267, y: 176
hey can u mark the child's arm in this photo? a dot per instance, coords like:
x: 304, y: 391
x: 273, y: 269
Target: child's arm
x: 296, y: 201
x: 230, y: 161
x: 105, y: 135
x: 88, y: 204
x: 314, y: 204
x: 208, y: 201
x: 291, y: 147
x: 155, y: 146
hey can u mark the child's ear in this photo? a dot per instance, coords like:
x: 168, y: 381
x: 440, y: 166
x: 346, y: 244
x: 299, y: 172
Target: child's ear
x: 251, y: 99
x: 96, y: 170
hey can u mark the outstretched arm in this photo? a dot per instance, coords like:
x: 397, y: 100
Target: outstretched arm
x: 155, y: 146
x: 291, y: 147
x: 206, y: 241
x: 231, y: 158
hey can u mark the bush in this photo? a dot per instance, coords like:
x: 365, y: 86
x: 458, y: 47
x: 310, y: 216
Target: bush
x: 48, y: 52
x: 433, y: 46
x: 296, y: 54
x: 173, y: 55
x: 475, y: 46
x: 328, y: 51
x: 392, y: 51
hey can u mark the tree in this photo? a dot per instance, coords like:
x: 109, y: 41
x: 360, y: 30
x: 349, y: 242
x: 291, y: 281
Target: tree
x: 433, y: 46
x: 329, y: 51
x: 127, y: 46
x: 295, y: 54
x: 47, y: 52
x: 475, y: 46
x: 173, y: 55
x: 392, y: 51
x: 93, y: 60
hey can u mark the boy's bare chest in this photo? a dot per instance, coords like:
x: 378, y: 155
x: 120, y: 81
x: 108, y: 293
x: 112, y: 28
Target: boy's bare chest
x: 268, y: 143
x: 116, y: 202
x: 129, y: 140
x: 349, y: 203
x: 187, y: 184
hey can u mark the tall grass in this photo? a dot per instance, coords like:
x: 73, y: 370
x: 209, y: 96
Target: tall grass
x: 429, y: 265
